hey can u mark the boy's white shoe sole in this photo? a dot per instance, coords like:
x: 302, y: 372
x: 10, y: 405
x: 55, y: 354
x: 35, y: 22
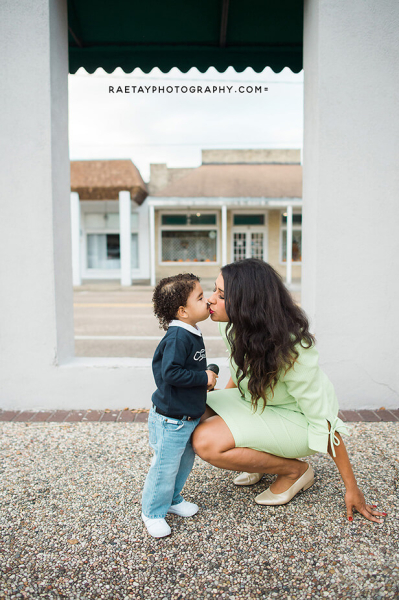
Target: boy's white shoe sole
x: 184, y: 509
x: 157, y: 528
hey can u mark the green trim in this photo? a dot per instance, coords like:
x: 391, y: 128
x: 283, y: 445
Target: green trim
x: 130, y: 34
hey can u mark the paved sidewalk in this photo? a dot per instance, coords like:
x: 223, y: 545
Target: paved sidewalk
x: 140, y: 416
x: 70, y: 523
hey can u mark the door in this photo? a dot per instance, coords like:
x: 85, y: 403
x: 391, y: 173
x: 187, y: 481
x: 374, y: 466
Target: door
x: 239, y: 245
x: 257, y: 245
x: 248, y: 244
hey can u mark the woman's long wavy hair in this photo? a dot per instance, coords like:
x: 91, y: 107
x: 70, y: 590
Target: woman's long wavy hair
x: 264, y: 325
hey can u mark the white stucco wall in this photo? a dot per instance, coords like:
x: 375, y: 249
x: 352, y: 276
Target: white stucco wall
x: 37, y: 367
x: 36, y: 299
x: 350, y: 282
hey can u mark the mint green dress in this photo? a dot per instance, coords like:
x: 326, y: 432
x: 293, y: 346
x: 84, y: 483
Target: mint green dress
x: 295, y: 421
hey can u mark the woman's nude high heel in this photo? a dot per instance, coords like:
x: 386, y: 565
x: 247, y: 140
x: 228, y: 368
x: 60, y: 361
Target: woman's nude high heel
x: 303, y: 483
x: 248, y: 478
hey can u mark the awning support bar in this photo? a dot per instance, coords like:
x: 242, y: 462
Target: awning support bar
x: 223, y: 24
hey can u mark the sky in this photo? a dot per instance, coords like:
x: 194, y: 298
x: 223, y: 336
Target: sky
x: 173, y: 128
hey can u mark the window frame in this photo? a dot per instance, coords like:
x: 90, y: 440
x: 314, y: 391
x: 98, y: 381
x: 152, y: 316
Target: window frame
x: 89, y: 273
x: 86, y: 258
x: 162, y: 228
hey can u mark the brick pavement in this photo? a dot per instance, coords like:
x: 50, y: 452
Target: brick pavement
x: 141, y: 416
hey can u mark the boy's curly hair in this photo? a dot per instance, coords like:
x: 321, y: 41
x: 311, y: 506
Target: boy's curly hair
x: 170, y: 294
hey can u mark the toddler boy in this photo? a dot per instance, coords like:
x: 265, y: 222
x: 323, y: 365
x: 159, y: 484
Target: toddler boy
x: 179, y: 367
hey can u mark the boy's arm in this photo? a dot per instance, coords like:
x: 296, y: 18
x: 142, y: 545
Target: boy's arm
x: 174, y: 358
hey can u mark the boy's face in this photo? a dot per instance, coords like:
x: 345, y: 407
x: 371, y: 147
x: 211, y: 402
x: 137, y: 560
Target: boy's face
x: 196, y: 308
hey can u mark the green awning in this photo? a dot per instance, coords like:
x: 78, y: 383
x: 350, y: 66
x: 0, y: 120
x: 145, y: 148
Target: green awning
x: 185, y: 34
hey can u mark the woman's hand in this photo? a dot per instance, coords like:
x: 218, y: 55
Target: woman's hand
x: 354, y: 499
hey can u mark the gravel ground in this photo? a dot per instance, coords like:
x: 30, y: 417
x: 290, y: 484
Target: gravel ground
x: 71, y: 527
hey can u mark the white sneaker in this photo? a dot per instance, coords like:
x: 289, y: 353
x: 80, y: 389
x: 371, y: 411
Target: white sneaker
x: 156, y: 527
x: 184, y: 509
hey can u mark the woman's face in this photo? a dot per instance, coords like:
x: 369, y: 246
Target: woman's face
x: 216, y: 302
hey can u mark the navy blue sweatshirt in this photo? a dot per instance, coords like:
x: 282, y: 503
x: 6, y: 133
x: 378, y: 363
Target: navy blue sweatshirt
x: 179, y: 366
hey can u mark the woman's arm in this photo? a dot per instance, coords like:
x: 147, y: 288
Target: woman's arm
x: 315, y: 397
x: 230, y: 384
x: 354, y: 498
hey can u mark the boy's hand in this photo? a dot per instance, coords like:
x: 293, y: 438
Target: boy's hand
x: 212, y: 378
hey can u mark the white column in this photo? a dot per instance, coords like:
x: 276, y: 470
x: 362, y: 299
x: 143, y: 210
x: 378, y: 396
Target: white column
x: 350, y: 195
x: 38, y: 369
x: 125, y: 237
x: 75, y: 237
x: 144, y: 240
x: 36, y: 320
x: 152, y: 245
x: 289, y: 246
x: 224, y: 234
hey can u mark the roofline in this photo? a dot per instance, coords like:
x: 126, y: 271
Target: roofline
x: 159, y: 201
x: 80, y: 160
x: 235, y: 163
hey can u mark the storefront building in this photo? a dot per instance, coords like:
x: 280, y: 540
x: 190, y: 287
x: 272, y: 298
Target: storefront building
x: 237, y: 204
x: 109, y: 221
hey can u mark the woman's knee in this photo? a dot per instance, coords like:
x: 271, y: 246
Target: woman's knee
x: 202, y: 442
x: 212, y: 438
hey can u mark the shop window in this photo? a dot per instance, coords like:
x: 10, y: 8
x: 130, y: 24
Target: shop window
x: 189, y: 219
x: 296, y: 237
x: 189, y: 246
x: 174, y: 219
x: 201, y: 219
x: 296, y: 246
x: 135, y: 250
x: 248, y: 219
x: 103, y: 251
x: 296, y: 219
x: 189, y: 237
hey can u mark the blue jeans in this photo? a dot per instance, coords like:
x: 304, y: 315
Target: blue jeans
x: 171, y: 464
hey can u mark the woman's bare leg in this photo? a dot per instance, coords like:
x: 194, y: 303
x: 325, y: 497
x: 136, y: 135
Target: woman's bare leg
x: 214, y: 443
x: 209, y: 412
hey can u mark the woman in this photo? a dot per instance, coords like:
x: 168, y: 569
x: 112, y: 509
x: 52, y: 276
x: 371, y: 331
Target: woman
x: 278, y: 405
